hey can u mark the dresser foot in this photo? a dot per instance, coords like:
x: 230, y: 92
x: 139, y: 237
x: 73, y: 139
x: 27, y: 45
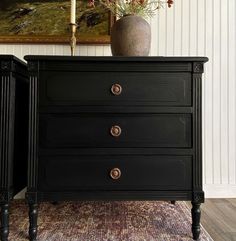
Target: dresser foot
x: 33, y: 216
x: 196, y: 215
x: 172, y: 202
x: 4, y: 222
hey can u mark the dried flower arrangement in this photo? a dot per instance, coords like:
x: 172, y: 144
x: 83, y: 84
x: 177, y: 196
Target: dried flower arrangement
x: 143, y: 8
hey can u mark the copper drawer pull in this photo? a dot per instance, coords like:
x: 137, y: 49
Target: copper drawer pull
x: 115, y: 131
x: 116, y: 89
x: 115, y: 173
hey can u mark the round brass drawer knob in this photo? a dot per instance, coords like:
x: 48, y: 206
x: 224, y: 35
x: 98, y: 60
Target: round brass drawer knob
x: 116, y: 89
x: 115, y: 173
x: 115, y: 131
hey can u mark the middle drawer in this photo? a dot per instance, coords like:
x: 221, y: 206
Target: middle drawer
x: 115, y: 130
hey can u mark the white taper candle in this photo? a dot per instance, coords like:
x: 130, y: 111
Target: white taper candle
x: 73, y: 11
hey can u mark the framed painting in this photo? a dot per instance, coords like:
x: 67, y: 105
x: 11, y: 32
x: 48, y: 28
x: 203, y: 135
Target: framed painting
x: 47, y: 21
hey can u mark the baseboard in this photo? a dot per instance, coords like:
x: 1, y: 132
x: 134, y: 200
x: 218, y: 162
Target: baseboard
x: 220, y: 191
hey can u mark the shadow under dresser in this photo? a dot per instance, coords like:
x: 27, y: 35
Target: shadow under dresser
x: 115, y: 128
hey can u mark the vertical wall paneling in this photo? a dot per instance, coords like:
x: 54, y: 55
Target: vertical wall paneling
x: 170, y: 31
x: 162, y: 45
x: 99, y: 50
x: 193, y: 27
x: 59, y: 49
x: 66, y: 50
x: 231, y: 51
x: 82, y: 50
x: 107, y: 51
x: 3, y: 49
x: 202, y: 28
x: 224, y: 92
x: 91, y: 50
x: 208, y: 95
x: 216, y: 92
x: 185, y: 27
x: 154, y: 39
x: 177, y: 35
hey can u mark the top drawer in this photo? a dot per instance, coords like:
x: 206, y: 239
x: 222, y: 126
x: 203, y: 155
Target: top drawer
x: 115, y: 88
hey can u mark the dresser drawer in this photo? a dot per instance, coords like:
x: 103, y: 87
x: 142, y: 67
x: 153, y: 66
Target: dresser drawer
x: 115, y: 88
x: 115, y: 130
x: 115, y: 172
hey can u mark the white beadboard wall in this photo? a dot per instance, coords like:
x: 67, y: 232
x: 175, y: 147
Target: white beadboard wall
x: 192, y: 28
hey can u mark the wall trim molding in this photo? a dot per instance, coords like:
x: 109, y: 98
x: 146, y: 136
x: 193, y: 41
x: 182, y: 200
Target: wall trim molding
x: 219, y: 190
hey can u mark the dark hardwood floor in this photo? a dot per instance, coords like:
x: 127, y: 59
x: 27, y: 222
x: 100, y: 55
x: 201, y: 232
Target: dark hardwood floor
x: 219, y: 218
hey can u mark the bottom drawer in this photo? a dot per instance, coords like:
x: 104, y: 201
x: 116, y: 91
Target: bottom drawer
x: 115, y: 173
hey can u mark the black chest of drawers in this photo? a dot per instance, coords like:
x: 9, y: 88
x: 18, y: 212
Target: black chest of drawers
x: 14, y: 97
x: 115, y: 129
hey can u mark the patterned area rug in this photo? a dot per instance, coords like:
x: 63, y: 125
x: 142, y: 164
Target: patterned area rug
x: 106, y: 221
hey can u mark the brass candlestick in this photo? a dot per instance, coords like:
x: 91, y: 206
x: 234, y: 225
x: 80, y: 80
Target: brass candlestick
x: 73, y: 27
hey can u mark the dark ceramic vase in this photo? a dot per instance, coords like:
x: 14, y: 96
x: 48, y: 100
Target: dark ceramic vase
x: 131, y: 36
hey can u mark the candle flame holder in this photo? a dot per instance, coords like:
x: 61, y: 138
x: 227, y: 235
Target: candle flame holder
x: 73, y: 40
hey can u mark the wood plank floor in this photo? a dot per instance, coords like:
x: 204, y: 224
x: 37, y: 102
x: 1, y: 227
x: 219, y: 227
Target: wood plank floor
x: 219, y: 218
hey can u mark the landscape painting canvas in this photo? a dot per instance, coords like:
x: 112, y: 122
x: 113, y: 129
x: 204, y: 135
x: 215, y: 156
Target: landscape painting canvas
x: 47, y: 21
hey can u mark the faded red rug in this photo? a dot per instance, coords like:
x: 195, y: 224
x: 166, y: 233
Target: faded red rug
x: 106, y: 221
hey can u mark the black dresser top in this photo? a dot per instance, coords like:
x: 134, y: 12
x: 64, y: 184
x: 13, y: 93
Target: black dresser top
x: 11, y: 57
x: 10, y: 63
x: 109, y: 63
x: 115, y: 59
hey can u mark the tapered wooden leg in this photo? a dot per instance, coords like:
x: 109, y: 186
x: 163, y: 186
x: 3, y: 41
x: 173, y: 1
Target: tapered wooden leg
x: 33, y: 217
x: 4, y: 222
x: 196, y: 215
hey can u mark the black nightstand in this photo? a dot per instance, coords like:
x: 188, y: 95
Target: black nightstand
x: 115, y: 128
x: 14, y: 99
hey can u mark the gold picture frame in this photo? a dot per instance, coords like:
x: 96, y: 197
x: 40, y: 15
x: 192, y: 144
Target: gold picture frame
x: 17, y: 15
